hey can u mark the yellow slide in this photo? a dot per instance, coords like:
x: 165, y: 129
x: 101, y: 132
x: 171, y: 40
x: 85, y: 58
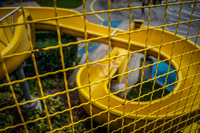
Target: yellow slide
x: 14, y: 40
x: 75, y: 26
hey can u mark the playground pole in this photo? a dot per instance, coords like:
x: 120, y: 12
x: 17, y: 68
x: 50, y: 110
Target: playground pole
x: 24, y: 86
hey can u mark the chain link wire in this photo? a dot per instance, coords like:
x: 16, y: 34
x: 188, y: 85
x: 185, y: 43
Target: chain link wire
x: 184, y: 118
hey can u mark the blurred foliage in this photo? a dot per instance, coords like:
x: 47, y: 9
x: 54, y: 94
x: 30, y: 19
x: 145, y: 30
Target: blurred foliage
x: 6, y: 97
x: 47, y: 61
x: 53, y: 105
x: 50, y: 60
x: 145, y: 89
x: 61, y: 3
x: 6, y: 120
x: 48, y: 83
x: 58, y: 121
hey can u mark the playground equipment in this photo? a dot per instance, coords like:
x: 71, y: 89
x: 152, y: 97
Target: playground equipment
x: 14, y: 39
x: 102, y: 89
x: 183, y: 102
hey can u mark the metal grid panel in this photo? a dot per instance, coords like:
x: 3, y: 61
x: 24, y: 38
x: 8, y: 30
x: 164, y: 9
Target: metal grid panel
x: 190, y: 115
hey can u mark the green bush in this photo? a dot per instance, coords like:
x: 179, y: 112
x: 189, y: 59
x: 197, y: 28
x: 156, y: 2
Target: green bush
x: 42, y: 126
x: 147, y: 88
x: 58, y: 121
x: 6, y: 98
x: 48, y: 83
x: 50, y: 60
x: 61, y: 3
x: 47, y: 61
x: 5, y: 121
x: 53, y: 105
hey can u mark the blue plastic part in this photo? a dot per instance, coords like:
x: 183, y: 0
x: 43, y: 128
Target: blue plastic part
x: 162, y: 69
x: 113, y: 23
x: 91, y: 48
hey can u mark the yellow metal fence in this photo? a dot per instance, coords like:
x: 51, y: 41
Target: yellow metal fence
x: 188, y: 104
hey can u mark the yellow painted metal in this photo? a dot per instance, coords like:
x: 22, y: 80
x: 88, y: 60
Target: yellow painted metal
x: 193, y: 128
x: 137, y: 24
x: 184, y: 99
x: 16, y: 44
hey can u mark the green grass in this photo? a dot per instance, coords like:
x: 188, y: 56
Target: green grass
x: 146, y: 88
x: 61, y: 3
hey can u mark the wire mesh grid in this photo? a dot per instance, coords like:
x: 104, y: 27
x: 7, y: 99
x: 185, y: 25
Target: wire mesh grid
x: 171, y: 113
